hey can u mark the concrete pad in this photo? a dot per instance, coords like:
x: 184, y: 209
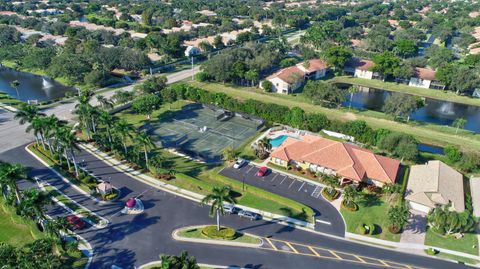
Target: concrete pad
x: 475, y: 190
x: 415, y: 229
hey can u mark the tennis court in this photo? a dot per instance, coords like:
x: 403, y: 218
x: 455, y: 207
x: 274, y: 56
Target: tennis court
x: 203, y: 132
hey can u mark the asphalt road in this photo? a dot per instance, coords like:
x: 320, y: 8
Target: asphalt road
x: 328, y: 219
x: 12, y: 134
x: 132, y: 240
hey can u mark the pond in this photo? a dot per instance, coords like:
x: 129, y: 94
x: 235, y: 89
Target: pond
x: 31, y: 87
x: 435, y: 111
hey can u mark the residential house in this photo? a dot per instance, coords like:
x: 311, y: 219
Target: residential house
x: 435, y: 184
x: 361, y: 68
x: 347, y: 161
x: 425, y: 78
x: 289, y: 79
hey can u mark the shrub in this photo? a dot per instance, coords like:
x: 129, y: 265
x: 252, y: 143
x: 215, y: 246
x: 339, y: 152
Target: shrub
x: 111, y: 196
x: 350, y: 206
x: 330, y: 193
x: 362, y: 229
x: 224, y: 232
x: 432, y: 251
x: 371, y: 228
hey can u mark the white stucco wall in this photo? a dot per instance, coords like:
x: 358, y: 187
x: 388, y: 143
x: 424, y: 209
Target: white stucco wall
x: 419, y: 207
x: 363, y: 74
x: 416, y: 82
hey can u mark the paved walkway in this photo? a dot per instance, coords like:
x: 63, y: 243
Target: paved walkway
x: 414, y: 232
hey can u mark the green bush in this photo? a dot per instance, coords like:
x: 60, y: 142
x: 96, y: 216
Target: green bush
x: 432, y: 251
x: 330, y: 193
x: 224, y: 232
x: 371, y: 228
x: 110, y: 196
x: 352, y: 206
x: 362, y: 229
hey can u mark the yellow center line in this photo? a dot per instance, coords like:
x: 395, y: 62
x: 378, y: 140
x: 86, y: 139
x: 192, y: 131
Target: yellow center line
x: 335, y: 254
x: 290, y: 246
x: 360, y: 259
x: 271, y: 244
x: 314, y: 252
x: 384, y: 263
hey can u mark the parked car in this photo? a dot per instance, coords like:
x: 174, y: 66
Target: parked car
x: 239, y: 163
x: 230, y: 209
x: 262, y: 172
x: 249, y: 215
x: 75, y: 222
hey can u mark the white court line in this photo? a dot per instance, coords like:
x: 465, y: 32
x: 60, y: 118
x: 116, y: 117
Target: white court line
x: 323, y: 222
x: 301, y: 186
x: 292, y: 183
x: 285, y: 177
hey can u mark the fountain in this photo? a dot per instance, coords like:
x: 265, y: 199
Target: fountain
x: 46, y: 84
x: 446, y: 108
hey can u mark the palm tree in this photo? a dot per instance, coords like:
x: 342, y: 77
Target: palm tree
x: 178, y: 262
x: 38, y: 125
x: 26, y: 113
x: 352, y: 90
x: 217, y: 198
x: 146, y: 142
x: 55, y: 227
x: 15, y: 84
x: 9, y: 174
x: 69, y: 142
x: 229, y: 153
x: 33, y: 204
x: 84, y: 110
x: 397, y: 217
x: 459, y: 123
x: 350, y: 195
x: 104, y: 102
x: 124, y: 130
x: 107, y: 120
x: 51, y: 123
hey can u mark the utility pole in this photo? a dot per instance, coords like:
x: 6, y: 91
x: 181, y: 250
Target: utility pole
x: 193, y: 73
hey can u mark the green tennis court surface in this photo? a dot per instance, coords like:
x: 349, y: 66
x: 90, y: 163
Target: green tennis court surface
x: 203, y: 132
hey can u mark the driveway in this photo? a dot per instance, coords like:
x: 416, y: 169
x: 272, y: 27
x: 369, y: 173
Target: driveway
x: 414, y: 232
x: 328, y: 219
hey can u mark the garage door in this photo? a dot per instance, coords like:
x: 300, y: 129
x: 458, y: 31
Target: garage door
x: 419, y: 207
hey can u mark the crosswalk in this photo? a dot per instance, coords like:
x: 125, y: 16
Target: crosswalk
x: 324, y: 253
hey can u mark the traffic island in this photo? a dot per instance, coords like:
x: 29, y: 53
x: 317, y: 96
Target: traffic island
x: 208, y: 234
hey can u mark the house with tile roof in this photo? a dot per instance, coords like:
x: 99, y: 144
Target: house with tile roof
x: 425, y: 78
x: 347, y: 161
x: 435, y: 184
x: 289, y: 79
x: 361, y: 68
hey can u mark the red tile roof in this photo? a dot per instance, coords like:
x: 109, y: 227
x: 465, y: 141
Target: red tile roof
x: 290, y: 74
x: 360, y: 64
x: 314, y: 65
x: 347, y: 160
x: 424, y: 73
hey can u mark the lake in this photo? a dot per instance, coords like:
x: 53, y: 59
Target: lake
x: 435, y: 111
x: 32, y: 87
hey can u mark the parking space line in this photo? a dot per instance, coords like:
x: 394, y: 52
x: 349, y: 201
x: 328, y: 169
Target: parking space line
x: 285, y: 177
x: 314, y: 252
x: 301, y: 186
x: 323, y: 222
x: 292, y: 183
x: 276, y: 175
x: 335, y: 254
x: 251, y: 167
x: 271, y: 244
x: 290, y: 246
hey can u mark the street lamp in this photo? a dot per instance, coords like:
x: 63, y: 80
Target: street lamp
x: 243, y: 182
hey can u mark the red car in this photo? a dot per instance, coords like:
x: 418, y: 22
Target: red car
x: 76, y: 222
x: 262, y: 172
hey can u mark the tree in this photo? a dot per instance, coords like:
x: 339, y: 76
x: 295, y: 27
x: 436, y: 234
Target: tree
x: 146, y: 104
x: 68, y: 140
x: 33, y: 204
x: 153, y: 84
x: 122, y: 97
x: 385, y: 63
x: 397, y: 217
x: 337, y: 56
x: 445, y: 221
x: 9, y: 175
x: 252, y: 75
x: 104, y: 102
x: 218, y: 42
x: 124, y: 130
x: 267, y: 86
x: 453, y: 153
x: 459, y: 123
x: 229, y: 154
x: 178, y: 262
x: 405, y: 48
x: 439, y: 56
x: 26, y: 113
x: 324, y: 93
x: 146, y: 142
x: 56, y: 228
x: 401, y: 105
x: 15, y: 84
x: 350, y: 195
x: 205, y: 46
x: 84, y: 111
x: 217, y: 198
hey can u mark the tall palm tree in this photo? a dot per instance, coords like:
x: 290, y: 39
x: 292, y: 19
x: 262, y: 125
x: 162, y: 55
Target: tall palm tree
x: 9, y: 174
x: 178, y: 262
x: 124, y: 130
x: 84, y: 110
x: 26, y: 113
x: 51, y: 123
x: 38, y: 125
x: 459, y: 123
x: 15, y: 84
x: 33, y: 204
x: 217, y: 198
x: 350, y: 195
x: 69, y: 142
x: 107, y: 120
x: 56, y: 227
x: 146, y: 142
x: 104, y: 102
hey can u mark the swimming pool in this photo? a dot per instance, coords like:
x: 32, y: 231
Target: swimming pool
x: 277, y: 141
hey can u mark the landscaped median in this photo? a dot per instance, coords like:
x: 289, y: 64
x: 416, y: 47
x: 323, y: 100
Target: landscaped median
x: 208, y: 234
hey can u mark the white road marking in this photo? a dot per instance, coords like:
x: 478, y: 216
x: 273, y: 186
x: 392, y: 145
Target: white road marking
x: 323, y: 222
x: 285, y: 177
x: 301, y: 186
x: 248, y: 171
x: 276, y: 175
x: 292, y: 183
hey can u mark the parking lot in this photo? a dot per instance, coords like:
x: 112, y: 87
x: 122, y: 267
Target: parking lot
x: 328, y: 219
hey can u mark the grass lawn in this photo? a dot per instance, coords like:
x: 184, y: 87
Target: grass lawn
x: 457, y: 258
x: 426, y: 133
x: 8, y: 100
x: 374, y: 210
x: 197, y: 233
x: 14, y: 230
x: 392, y: 86
x: 463, y: 245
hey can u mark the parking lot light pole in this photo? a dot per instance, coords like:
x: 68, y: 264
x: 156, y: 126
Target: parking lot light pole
x: 243, y: 182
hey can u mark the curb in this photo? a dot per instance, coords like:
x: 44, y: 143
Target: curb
x: 175, y: 236
x: 62, y: 177
x: 150, y: 264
